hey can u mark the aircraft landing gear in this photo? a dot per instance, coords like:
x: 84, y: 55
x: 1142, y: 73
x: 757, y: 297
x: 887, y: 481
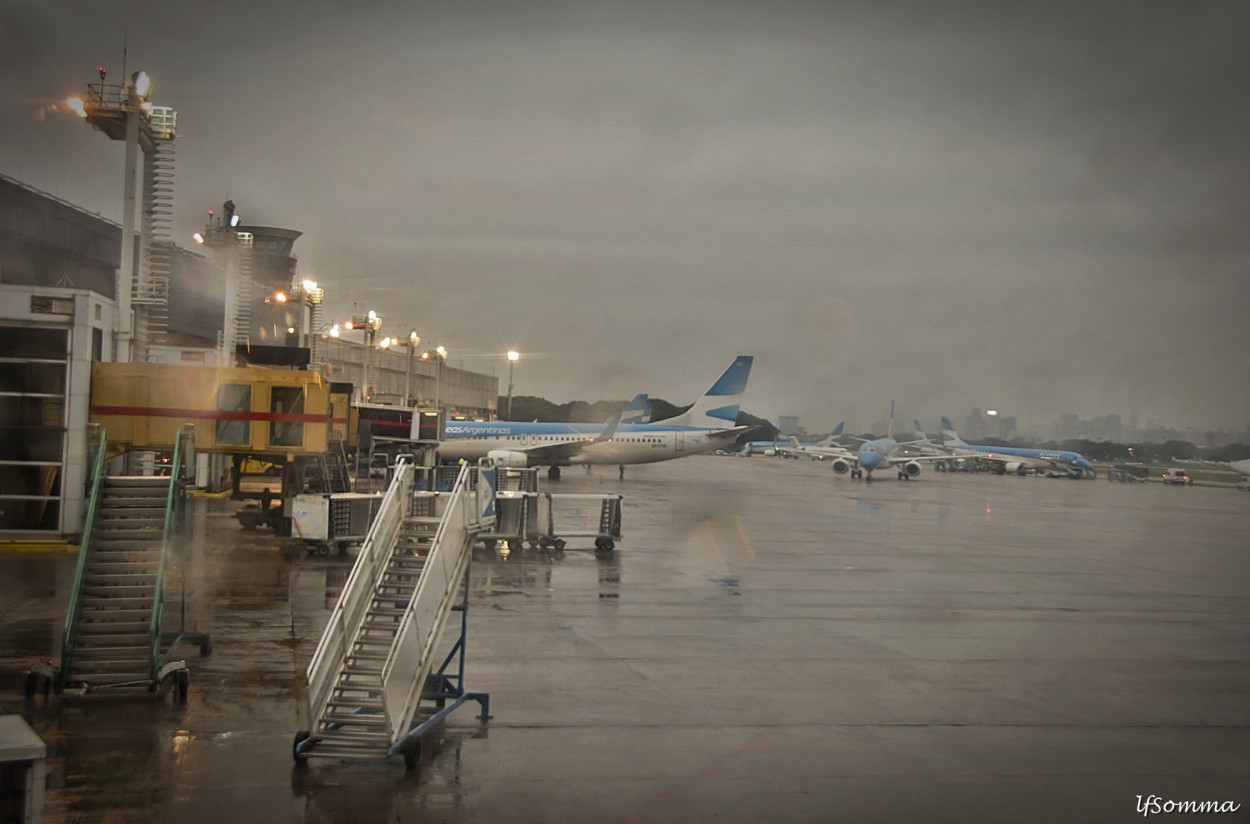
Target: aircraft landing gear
x: 622, y: 472
x: 553, y: 473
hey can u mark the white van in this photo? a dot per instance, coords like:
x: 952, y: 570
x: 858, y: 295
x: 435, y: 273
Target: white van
x: 1177, y: 477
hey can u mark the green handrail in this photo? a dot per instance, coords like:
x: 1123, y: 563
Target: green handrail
x: 173, y: 505
x: 97, y: 437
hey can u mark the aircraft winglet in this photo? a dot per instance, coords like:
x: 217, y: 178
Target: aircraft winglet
x: 609, y: 429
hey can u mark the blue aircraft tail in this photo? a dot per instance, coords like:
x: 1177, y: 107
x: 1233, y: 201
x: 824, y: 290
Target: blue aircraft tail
x: 832, y: 438
x: 637, y: 410
x: 718, y: 406
x: 949, y: 435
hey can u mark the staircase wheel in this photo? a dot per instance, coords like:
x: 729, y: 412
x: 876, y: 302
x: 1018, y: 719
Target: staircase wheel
x: 183, y: 679
x: 300, y: 737
x: 559, y: 544
x: 608, y: 545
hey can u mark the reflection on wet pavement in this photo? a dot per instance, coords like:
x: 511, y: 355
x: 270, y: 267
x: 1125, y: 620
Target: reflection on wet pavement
x: 917, y: 654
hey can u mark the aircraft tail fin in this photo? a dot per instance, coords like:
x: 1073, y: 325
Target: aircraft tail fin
x: 949, y: 435
x: 832, y: 438
x: 636, y: 410
x: 718, y: 407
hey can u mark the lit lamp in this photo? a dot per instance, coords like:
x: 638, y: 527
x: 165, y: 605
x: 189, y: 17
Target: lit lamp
x: 513, y: 357
x: 370, y: 323
x: 314, y: 296
x: 412, y: 342
x: 439, y: 354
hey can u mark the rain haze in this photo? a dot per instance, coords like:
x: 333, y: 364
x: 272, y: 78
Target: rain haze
x: 1036, y: 207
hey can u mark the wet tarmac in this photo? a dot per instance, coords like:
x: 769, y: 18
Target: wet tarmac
x: 769, y: 642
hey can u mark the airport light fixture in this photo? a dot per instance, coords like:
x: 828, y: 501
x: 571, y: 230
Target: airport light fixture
x: 438, y: 355
x: 123, y: 112
x: 370, y: 322
x: 309, y: 293
x: 411, y: 342
x: 513, y: 357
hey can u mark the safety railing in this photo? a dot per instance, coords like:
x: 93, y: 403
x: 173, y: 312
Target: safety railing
x: 96, y: 439
x: 410, y: 658
x: 174, y: 514
x: 348, y: 614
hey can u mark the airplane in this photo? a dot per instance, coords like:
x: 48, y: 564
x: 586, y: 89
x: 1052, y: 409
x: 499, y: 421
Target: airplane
x: 883, y: 452
x: 1018, y: 459
x: 792, y: 448
x: 706, y: 426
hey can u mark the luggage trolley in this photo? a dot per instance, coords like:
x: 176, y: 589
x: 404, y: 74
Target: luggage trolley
x: 578, y: 515
x: 516, y: 508
x: 340, y: 518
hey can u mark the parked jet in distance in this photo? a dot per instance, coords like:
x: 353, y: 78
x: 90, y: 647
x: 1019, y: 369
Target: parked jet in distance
x: 791, y: 447
x: 706, y: 426
x: 881, y: 453
x: 1017, y: 459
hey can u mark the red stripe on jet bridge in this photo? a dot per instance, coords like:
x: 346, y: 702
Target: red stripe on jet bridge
x: 376, y: 422
x: 203, y: 414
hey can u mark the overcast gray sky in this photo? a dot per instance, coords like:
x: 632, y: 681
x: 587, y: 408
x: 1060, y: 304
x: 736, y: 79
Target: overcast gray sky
x: 1038, y: 207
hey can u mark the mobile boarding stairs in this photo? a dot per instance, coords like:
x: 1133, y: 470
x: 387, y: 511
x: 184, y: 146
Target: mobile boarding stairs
x: 372, y: 688
x: 113, y: 635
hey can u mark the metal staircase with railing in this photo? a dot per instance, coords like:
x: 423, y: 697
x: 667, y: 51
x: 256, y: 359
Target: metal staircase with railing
x: 113, y: 625
x: 374, y: 665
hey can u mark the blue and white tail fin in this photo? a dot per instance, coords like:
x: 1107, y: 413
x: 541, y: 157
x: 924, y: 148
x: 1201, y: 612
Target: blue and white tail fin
x: 832, y: 438
x: 919, y: 431
x: 637, y: 410
x: 949, y: 435
x: 718, y: 406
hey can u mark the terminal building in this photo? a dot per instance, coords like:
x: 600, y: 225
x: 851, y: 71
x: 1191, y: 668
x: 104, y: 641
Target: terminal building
x: 59, y: 314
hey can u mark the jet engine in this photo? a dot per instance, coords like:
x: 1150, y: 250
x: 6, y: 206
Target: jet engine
x: 1016, y: 467
x: 505, y: 457
x: 841, y: 465
x: 912, y: 468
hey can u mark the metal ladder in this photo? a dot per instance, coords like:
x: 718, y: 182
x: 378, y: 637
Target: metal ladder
x: 111, y: 641
x: 371, y: 668
x: 112, y: 635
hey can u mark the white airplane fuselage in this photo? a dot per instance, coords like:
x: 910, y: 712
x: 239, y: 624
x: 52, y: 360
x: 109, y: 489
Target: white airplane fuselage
x: 637, y: 444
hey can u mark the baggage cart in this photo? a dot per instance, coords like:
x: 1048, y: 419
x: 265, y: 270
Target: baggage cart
x: 579, y: 515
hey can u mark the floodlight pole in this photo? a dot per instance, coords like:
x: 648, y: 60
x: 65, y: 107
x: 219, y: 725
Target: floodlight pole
x: 130, y: 199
